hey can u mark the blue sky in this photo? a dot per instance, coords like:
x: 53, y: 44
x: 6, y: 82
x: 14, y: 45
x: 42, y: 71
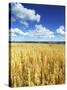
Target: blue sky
x: 34, y: 22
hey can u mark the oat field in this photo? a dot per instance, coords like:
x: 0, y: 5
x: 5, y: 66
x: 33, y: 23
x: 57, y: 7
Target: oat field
x: 36, y: 64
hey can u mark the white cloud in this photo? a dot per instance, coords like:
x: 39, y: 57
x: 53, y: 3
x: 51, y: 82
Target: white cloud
x: 24, y: 14
x: 16, y: 31
x: 24, y: 23
x: 43, y: 31
x: 60, y: 30
x: 12, y: 34
x: 39, y: 31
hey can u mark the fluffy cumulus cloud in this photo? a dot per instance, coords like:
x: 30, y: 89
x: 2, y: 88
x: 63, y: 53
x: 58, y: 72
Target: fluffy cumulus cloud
x: 39, y: 31
x: 60, y: 30
x: 18, y: 11
x: 43, y: 31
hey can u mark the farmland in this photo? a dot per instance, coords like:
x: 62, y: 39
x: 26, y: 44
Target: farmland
x: 36, y: 64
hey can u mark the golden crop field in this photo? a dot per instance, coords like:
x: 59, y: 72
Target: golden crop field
x: 36, y: 64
